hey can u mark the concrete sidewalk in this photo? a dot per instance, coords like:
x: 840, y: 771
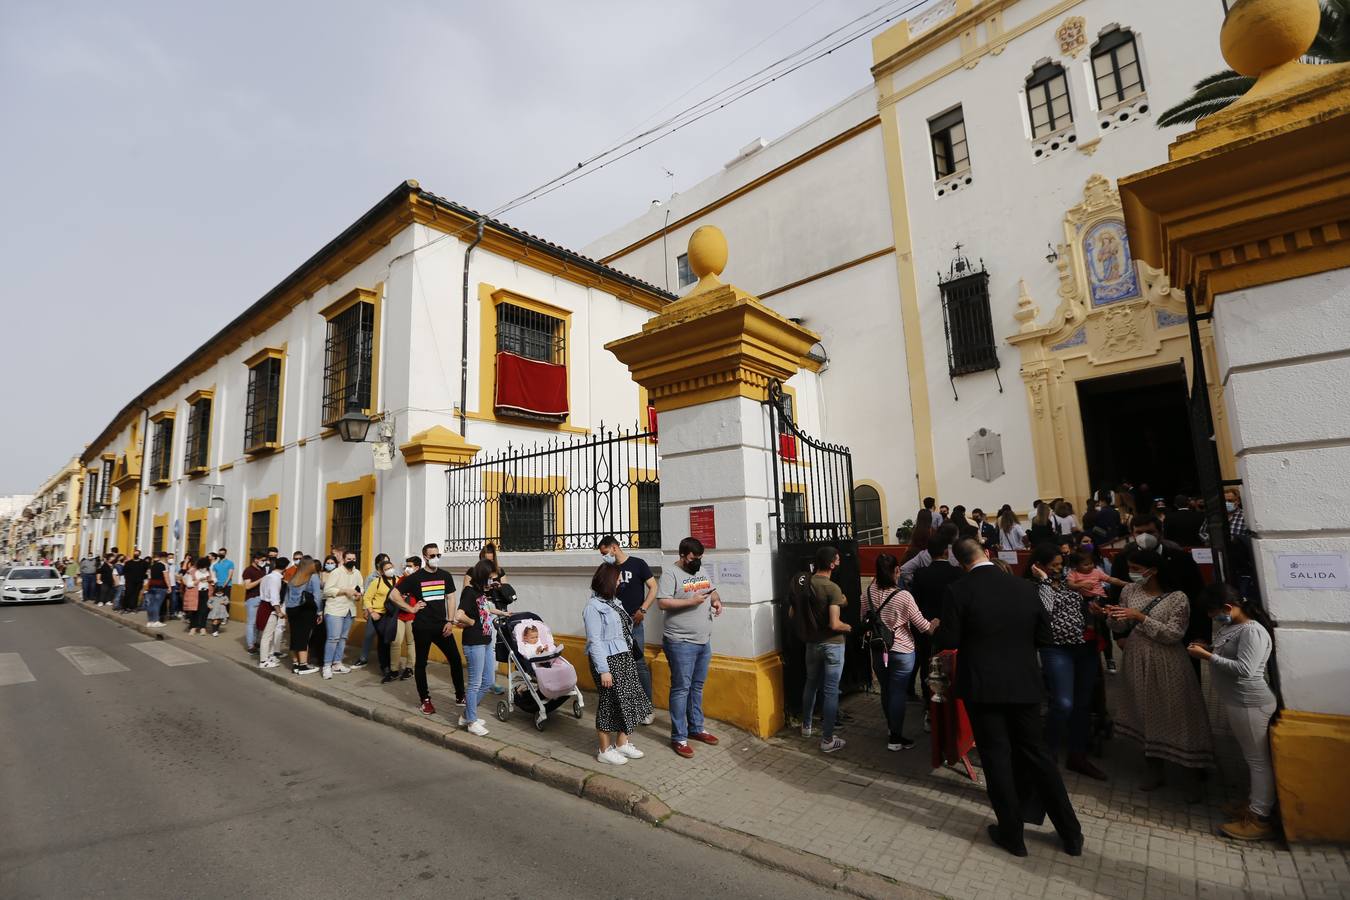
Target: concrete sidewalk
x: 860, y: 813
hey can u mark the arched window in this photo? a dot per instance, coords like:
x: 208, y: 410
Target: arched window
x: 867, y: 525
x: 1115, y: 68
x: 1048, y: 100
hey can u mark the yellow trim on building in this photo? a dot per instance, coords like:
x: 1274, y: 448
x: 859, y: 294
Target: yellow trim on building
x: 1311, y: 778
x: 266, y: 353
x: 160, y: 521
x: 363, y: 487
x: 438, y: 445
x: 195, y: 514
x: 271, y: 505
x: 375, y: 297
x: 489, y: 298
x: 191, y: 400
x: 886, y: 529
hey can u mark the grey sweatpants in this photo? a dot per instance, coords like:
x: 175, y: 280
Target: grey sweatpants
x: 1250, y: 725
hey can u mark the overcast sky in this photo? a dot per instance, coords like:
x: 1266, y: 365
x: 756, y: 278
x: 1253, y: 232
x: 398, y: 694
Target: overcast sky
x: 165, y: 164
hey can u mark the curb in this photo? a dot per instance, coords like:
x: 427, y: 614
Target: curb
x: 597, y: 787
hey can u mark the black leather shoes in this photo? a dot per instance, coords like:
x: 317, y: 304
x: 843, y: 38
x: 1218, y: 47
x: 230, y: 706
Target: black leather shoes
x: 1074, y: 847
x: 1018, y: 849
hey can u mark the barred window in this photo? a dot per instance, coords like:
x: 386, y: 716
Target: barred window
x: 346, y: 525
x: 649, y: 514
x: 91, y: 494
x: 348, y: 356
x: 948, y: 133
x: 198, y: 435
x: 105, y: 497
x: 1048, y: 100
x: 157, y: 540
x: 968, y: 323
x: 533, y: 335
x: 260, y: 532
x: 528, y: 522
x: 794, y: 508
x: 262, y: 415
x: 1115, y: 68
x: 160, y: 447
x: 194, y: 539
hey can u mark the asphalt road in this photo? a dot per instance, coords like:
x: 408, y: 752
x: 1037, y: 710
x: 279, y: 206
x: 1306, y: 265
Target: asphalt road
x: 127, y: 774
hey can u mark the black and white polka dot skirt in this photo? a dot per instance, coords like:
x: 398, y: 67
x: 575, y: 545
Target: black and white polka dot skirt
x: 623, y: 706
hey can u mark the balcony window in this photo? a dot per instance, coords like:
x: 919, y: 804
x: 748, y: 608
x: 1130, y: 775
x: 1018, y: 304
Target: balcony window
x: 1115, y: 68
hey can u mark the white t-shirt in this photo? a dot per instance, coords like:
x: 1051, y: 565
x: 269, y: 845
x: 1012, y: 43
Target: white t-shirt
x: 270, y: 588
x: 1012, y: 539
x: 1066, y: 524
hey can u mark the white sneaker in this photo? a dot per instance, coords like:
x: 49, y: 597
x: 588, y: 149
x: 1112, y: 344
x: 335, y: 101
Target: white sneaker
x: 327, y: 671
x: 462, y: 722
x: 630, y: 751
x: 613, y: 757
x: 341, y: 669
x: 651, y: 717
x: 478, y: 728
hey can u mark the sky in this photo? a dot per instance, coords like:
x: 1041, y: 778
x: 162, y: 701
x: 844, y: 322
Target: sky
x: 165, y: 164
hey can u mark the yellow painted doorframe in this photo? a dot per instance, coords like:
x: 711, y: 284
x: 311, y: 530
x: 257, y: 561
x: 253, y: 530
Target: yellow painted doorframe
x: 363, y: 487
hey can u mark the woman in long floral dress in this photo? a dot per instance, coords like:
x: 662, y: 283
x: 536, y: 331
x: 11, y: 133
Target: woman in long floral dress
x: 1160, y: 704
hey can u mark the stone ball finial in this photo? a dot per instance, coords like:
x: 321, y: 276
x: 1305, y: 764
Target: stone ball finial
x: 707, y: 253
x: 1259, y: 35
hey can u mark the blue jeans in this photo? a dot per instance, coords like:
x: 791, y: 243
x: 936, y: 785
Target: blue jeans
x: 640, y: 660
x: 154, y: 602
x: 688, y: 672
x: 482, y: 672
x: 89, y: 587
x: 894, y: 679
x: 368, y: 641
x: 824, y: 665
x: 338, y: 626
x: 1070, y: 675
x: 251, y: 630
x: 118, y: 591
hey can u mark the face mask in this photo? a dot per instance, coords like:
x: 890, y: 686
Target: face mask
x: 388, y: 573
x: 1229, y: 505
x: 693, y: 565
x: 1087, y: 548
x: 608, y: 557
x: 296, y: 561
x: 1223, y: 619
x: 1146, y: 541
x: 408, y: 570
x: 328, y: 567
x: 350, y: 565
x: 1138, y: 577
x: 432, y: 560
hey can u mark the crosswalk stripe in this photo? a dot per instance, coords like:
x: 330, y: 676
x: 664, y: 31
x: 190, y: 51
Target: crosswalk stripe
x: 169, y: 654
x: 13, y: 670
x: 91, y: 660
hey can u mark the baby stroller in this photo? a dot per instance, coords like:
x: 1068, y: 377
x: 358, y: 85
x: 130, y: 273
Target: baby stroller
x: 538, y: 684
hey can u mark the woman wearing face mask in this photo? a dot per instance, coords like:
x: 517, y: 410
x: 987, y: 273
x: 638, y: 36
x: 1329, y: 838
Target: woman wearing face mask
x: 1069, y: 664
x: 1238, y: 660
x: 370, y: 636
x: 341, y: 591
x: 380, y: 610
x: 303, y: 611
x: 1160, y: 703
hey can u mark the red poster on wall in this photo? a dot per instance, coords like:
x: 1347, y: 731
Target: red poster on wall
x: 703, y: 526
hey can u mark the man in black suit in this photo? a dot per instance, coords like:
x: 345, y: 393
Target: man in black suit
x: 996, y: 622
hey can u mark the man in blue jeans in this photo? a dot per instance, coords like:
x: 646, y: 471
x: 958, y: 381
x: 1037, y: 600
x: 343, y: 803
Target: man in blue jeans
x: 252, y: 580
x: 690, y: 603
x: 824, y: 633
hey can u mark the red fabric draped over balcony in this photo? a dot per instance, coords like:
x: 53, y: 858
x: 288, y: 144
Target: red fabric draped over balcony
x: 529, y: 387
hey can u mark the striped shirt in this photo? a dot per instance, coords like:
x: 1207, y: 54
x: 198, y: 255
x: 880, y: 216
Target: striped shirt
x: 899, y: 615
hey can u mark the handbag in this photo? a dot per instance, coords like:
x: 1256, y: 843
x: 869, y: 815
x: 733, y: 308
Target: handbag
x: 386, y: 627
x: 1146, y: 610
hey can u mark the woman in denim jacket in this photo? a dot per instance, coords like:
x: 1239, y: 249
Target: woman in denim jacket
x: 622, y: 704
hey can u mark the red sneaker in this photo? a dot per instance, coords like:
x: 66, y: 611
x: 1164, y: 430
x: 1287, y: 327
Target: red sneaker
x: 703, y: 737
x: 682, y: 749
x: 426, y: 708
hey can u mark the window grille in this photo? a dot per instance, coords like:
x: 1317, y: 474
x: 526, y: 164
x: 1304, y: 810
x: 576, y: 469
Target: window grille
x: 1115, y: 68
x: 198, y: 436
x: 263, y: 412
x: 1048, y: 100
x: 948, y: 132
x: 157, y: 540
x: 105, y: 498
x: 533, y: 335
x: 346, y: 530
x: 348, y: 356
x: 528, y: 522
x: 685, y: 274
x: 194, y: 539
x: 91, y: 495
x: 648, y: 514
x: 794, y: 508
x: 160, y: 449
x: 966, y: 320
x: 260, y: 532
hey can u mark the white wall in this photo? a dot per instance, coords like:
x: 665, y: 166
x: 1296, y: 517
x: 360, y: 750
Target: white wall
x: 1015, y: 206
x: 1284, y: 357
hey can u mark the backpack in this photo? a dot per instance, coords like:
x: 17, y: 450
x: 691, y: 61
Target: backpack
x: 803, y: 607
x: 875, y: 635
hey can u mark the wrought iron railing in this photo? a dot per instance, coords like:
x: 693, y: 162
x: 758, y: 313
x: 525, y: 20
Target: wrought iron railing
x: 812, y: 480
x: 562, y: 495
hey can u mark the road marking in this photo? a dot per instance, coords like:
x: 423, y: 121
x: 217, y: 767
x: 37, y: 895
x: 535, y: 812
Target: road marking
x: 167, y: 653
x: 13, y: 670
x: 91, y: 660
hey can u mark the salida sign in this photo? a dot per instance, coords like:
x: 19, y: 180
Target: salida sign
x: 1313, y: 571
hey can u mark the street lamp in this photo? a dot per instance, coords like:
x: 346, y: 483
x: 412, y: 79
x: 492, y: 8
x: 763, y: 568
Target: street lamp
x: 353, y: 426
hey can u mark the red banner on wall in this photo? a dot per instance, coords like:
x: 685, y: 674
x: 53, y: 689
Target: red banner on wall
x: 531, y: 387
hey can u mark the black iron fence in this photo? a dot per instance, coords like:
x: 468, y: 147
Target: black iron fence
x: 812, y: 480
x: 563, y: 495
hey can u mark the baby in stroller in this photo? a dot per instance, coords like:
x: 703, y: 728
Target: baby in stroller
x: 538, y: 678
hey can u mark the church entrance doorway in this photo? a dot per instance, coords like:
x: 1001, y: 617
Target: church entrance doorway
x: 1137, y: 426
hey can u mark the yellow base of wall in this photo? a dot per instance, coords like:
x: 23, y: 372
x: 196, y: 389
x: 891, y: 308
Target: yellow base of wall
x: 747, y: 693
x: 1311, y: 778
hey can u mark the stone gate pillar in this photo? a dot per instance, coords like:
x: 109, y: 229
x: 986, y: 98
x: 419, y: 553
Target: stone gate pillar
x: 706, y: 361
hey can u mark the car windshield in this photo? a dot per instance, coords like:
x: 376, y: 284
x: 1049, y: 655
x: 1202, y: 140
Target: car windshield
x: 32, y: 574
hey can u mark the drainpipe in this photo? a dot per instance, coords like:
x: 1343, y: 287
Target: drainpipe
x: 464, y: 334
x: 140, y: 484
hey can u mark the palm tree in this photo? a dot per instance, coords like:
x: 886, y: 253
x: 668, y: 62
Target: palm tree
x: 1215, y: 92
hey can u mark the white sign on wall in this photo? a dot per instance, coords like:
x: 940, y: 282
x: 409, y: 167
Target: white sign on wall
x: 1313, y: 571
x: 730, y: 572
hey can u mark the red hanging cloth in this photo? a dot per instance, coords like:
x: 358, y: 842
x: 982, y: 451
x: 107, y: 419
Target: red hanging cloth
x: 531, y: 388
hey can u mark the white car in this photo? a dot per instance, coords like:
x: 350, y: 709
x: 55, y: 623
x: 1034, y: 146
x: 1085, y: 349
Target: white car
x: 32, y: 584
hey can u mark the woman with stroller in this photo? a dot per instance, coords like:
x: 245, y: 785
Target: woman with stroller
x: 622, y: 705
